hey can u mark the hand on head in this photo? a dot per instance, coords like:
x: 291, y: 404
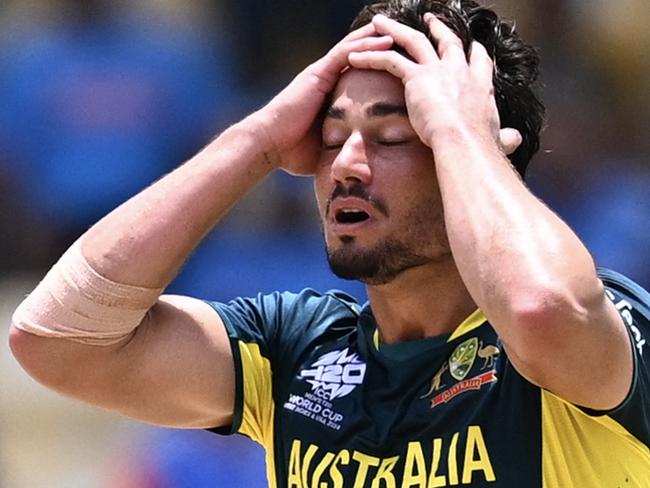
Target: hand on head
x: 288, y: 124
x: 446, y: 93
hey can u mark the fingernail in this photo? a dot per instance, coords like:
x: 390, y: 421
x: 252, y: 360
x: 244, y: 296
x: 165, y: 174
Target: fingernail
x: 428, y: 16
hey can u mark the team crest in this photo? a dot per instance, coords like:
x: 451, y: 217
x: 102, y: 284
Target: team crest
x: 462, y: 359
x: 459, y: 365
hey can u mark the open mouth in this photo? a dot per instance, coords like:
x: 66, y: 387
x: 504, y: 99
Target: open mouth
x: 350, y: 216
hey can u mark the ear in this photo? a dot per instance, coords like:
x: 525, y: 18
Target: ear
x: 510, y: 140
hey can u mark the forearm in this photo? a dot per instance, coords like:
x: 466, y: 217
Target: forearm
x: 96, y: 328
x: 146, y: 240
x: 515, y: 256
x: 106, y: 283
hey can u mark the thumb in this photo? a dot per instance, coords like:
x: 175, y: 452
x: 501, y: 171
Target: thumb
x: 509, y: 139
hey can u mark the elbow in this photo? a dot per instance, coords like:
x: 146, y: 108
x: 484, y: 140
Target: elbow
x: 38, y: 358
x: 24, y: 347
x: 19, y: 342
x: 542, y: 311
x: 543, y: 306
x: 541, y: 321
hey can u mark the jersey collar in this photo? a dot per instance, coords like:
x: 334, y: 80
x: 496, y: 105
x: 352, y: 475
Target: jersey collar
x: 472, y: 322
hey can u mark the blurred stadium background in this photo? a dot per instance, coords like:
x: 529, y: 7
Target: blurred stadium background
x: 99, y: 98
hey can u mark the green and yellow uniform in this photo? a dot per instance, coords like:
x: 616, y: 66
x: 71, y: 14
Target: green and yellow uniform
x: 335, y: 408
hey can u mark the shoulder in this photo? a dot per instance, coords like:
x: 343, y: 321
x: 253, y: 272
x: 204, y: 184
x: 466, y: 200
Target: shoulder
x: 618, y: 284
x: 631, y: 300
x: 633, y: 304
x: 286, y: 317
x: 283, y: 306
x: 310, y: 306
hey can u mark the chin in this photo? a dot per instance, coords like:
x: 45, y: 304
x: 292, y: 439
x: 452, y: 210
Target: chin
x: 374, y: 265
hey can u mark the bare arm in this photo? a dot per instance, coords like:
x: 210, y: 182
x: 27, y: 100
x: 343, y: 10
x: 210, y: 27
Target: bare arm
x: 175, y: 370
x: 175, y: 367
x: 523, y: 266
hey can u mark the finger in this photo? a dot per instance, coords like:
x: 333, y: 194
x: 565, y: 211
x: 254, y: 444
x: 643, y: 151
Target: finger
x: 364, y: 37
x: 510, y: 140
x: 449, y: 44
x: 480, y: 62
x: 365, y: 44
x: 390, y: 61
x: 413, y: 41
x: 363, y: 31
x: 330, y: 66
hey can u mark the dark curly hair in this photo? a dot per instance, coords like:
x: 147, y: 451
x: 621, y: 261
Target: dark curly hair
x: 516, y: 63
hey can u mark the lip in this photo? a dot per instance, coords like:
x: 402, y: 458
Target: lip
x: 341, y: 203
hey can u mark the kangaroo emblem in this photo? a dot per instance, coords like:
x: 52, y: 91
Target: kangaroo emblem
x: 437, y: 380
x: 488, y: 353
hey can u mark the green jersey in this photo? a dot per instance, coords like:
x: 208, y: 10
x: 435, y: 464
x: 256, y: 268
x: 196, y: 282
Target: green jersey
x: 335, y: 408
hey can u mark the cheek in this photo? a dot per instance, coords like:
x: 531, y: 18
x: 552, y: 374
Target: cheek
x: 410, y: 160
x: 423, y: 171
x: 321, y: 190
x: 418, y: 195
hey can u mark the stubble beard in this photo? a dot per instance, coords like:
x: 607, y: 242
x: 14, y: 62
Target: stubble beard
x: 377, y: 265
x: 422, y: 241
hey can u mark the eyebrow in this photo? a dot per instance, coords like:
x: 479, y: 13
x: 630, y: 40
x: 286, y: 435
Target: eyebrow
x: 382, y: 109
x: 335, y: 113
x: 379, y: 109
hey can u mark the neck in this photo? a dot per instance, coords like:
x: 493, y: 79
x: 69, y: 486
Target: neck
x: 421, y: 302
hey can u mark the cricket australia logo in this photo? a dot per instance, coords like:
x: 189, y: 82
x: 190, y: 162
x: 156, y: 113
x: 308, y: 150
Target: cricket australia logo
x: 459, y: 365
x: 335, y: 374
x: 462, y: 359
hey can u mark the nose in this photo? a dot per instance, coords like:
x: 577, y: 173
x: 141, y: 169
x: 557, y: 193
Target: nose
x: 351, y: 163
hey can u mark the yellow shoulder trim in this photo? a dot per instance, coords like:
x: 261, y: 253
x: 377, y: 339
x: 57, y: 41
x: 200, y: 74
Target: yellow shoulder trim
x: 258, y: 406
x: 474, y: 321
x: 579, y: 450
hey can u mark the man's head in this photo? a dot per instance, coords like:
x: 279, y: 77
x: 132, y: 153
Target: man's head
x: 516, y: 63
x: 376, y: 183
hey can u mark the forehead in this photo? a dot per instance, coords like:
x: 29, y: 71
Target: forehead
x: 367, y: 87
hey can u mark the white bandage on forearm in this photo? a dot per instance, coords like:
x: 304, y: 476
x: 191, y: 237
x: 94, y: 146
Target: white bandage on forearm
x: 75, y: 302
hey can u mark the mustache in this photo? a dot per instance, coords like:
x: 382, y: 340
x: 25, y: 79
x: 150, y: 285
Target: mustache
x: 359, y: 191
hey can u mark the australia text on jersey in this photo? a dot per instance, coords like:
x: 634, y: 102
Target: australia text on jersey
x: 458, y: 460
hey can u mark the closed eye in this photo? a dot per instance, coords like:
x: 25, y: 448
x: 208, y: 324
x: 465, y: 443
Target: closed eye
x: 393, y: 143
x: 332, y: 146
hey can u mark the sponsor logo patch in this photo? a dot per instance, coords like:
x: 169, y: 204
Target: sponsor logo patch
x: 337, y: 373
x: 332, y: 376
